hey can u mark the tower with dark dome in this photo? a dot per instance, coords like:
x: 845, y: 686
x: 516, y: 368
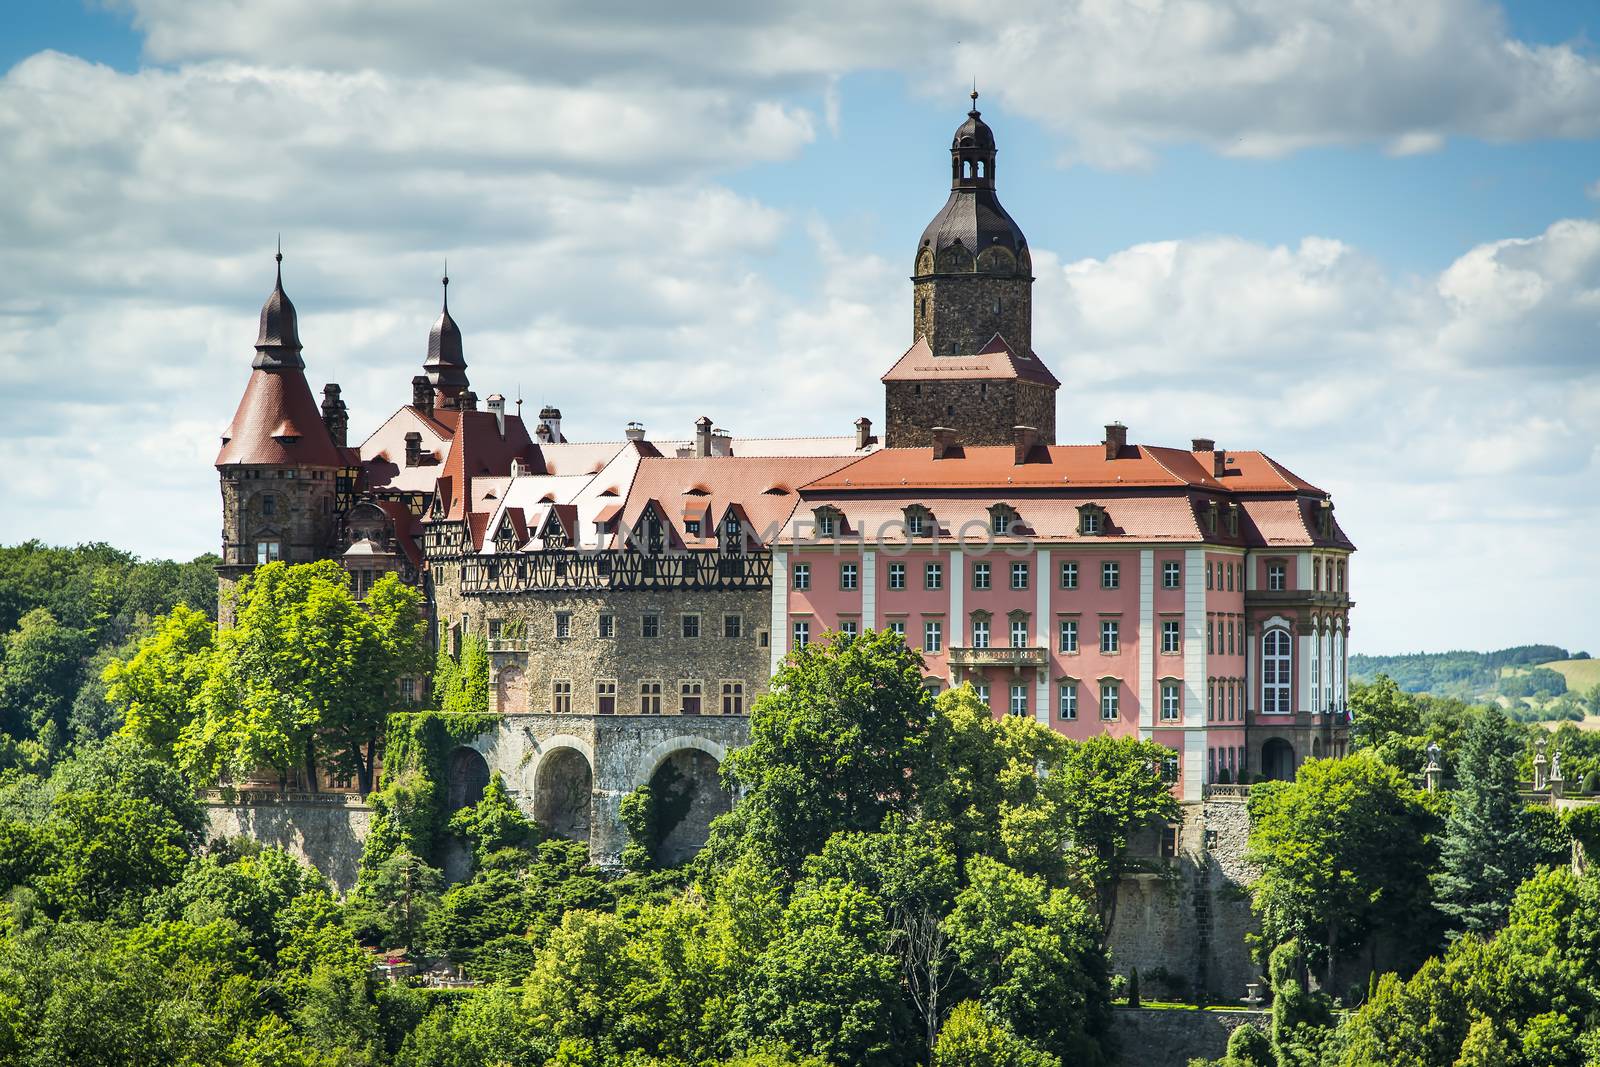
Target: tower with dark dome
x: 971, y: 367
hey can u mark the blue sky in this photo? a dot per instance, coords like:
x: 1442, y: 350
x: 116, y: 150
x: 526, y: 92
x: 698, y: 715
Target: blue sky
x: 1363, y: 240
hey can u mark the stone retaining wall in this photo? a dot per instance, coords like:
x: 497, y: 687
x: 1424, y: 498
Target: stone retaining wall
x: 1155, y: 1037
x: 327, y: 836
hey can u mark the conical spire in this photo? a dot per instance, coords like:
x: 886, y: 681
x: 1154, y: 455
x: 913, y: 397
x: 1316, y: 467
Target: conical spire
x: 446, y: 365
x: 278, y: 343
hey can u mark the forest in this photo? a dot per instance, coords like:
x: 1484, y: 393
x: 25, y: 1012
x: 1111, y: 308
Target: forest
x: 904, y: 880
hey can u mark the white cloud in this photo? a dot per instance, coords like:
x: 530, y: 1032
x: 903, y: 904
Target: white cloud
x: 1246, y: 77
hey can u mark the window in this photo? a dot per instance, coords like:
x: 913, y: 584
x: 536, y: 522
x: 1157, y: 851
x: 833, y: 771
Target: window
x: 1277, y: 577
x: 1211, y: 637
x: 1171, y: 574
x: 1211, y: 700
x: 650, y: 626
x: 1069, y: 635
x: 269, y: 505
x: 898, y: 628
x: 1341, y: 577
x: 733, y: 698
x: 847, y: 575
x: 915, y: 523
x: 1230, y: 637
x: 408, y: 690
x: 691, y: 527
x: 1019, y: 633
x: 982, y: 689
x: 1001, y: 521
x: 1229, y: 572
x: 1275, y: 671
x: 1067, y: 701
x: 1019, y: 700
x: 1110, y: 638
x: 690, y: 698
x: 1170, y: 636
x: 933, y: 576
x: 825, y: 523
x: 1019, y: 575
x: 1090, y: 523
x: 897, y: 576
x: 980, y: 576
x: 561, y: 697
x: 802, y: 634
x: 1069, y: 574
x: 802, y: 576
x: 731, y: 627
x: 1233, y: 701
x: 1110, y: 575
x: 691, y: 626
x: 605, y: 698
x: 268, y: 551
x: 1316, y: 574
x: 563, y: 625
x: 1109, y: 697
x: 1169, y: 701
x: 980, y: 633
x: 932, y: 637
x: 848, y: 627
x: 608, y: 626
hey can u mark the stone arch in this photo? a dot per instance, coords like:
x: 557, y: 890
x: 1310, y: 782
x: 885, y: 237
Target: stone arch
x: 684, y: 775
x: 563, y: 791
x: 1277, y: 759
x: 466, y: 775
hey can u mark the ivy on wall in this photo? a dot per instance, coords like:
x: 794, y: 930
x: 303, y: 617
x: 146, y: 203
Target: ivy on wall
x: 650, y: 813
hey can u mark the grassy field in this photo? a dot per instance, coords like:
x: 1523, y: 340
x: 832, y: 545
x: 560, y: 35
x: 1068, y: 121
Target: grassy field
x: 1581, y: 674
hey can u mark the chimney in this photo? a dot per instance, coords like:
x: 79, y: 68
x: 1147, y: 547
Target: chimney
x: 1023, y: 439
x: 413, y: 449
x: 945, y: 445
x: 702, y: 437
x: 467, y: 400
x: 334, y: 414
x: 497, y: 406
x: 422, y: 394
x: 863, y: 433
x: 1116, y: 439
x: 1219, y: 463
x: 635, y: 431
x: 1202, y: 444
x: 721, y: 443
x: 550, y: 419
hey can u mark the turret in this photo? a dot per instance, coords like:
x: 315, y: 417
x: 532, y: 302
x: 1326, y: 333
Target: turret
x: 446, y: 365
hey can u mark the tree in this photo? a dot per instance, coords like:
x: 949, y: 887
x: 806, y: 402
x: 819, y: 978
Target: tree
x: 971, y: 1039
x: 1108, y: 788
x: 1034, y: 954
x: 1344, y: 849
x: 306, y: 672
x: 1380, y: 710
x: 406, y: 890
x: 835, y: 744
x: 1486, y: 850
x: 158, y: 688
x: 43, y: 661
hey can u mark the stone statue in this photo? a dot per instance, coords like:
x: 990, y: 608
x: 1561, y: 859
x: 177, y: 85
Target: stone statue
x: 1555, y: 764
x: 1433, y: 753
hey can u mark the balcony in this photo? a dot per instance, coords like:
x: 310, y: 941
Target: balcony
x: 1015, y: 658
x: 1291, y: 598
x: 509, y: 644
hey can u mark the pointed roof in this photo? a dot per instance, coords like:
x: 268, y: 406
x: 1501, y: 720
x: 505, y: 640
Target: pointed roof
x: 997, y: 360
x: 278, y: 341
x: 278, y: 422
x: 446, y: 364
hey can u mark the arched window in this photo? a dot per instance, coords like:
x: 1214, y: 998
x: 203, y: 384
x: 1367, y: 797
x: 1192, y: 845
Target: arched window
x: 1276, y: 661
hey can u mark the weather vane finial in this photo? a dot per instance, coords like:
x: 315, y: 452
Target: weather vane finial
x: 446, y: 282
x: 974, y: 93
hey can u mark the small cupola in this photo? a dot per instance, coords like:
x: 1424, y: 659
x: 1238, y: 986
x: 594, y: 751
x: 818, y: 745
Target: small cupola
x: 278, y: 342
x: 446, y: 364
x: 972, y: 152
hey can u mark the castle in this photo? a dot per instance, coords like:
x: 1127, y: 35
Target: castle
x: 636, y: 595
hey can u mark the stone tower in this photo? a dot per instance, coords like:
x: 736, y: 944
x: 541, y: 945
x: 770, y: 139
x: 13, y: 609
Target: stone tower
x: 279, y: 462
x: 971, y: 366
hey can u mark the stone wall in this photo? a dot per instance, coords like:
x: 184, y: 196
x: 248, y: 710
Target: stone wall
x: 1183, y: 922
x: 328, y: 836
x: 1156, y: 1037
x: 293, y: 507
x: 981, y: 412
x: 957, y: 312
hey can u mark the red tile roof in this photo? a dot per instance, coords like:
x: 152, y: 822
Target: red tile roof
x: 996, y: 360
x: 278, y: 423
x: 727, y: 480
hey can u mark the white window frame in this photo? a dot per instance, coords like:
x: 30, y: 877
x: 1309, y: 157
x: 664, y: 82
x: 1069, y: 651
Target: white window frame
x: 802, y: 633
x: 980, y: 576
x: 1110, y: 574
x: 1171, y: 702
x: 1110, y: 636
x: 1171, y: 636
x: 1067, y: 702
x: 1069, y: 574
x: 897, y: 576
x: 933, y: 576
x: 802, y: 576
x: 933, y: 637
x: 1277, y: 671
x: 980, y: 633
x: 1171, y: 574
x: 849, y: 575
x: 1019, y: 633
x: 1110, y: 701
x: 1019, y: 700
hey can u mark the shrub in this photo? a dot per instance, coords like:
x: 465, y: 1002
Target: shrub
x: 1133, y: 988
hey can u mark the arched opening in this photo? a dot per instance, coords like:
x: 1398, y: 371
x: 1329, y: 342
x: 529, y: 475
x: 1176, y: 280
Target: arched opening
x: 1277, y: 760
x: 468, y: 776
x: 688, y: 794
x: 561, y: 794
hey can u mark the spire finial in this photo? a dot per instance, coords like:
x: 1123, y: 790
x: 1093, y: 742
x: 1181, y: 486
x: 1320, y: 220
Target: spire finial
x: 974, y: 95
x: 278, y: 258
x: 446, y: 282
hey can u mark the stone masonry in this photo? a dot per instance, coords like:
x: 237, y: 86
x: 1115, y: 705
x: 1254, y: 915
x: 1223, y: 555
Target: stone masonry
x: 981, y: 413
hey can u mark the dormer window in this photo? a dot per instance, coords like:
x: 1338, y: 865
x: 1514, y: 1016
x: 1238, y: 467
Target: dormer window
x: 829, y: 521
x: 919, y: 521
x: 692, y: 527
x: 1233, y: 519
x: 1002, y: 517
x: 1092, y: 520
x: 1211, y: 516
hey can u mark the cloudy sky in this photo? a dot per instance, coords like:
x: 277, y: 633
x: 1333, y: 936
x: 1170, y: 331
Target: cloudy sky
x: 1358, y: 235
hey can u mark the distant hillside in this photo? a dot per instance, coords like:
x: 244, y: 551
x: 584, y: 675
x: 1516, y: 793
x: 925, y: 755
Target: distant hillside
x: 1462, y: 674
